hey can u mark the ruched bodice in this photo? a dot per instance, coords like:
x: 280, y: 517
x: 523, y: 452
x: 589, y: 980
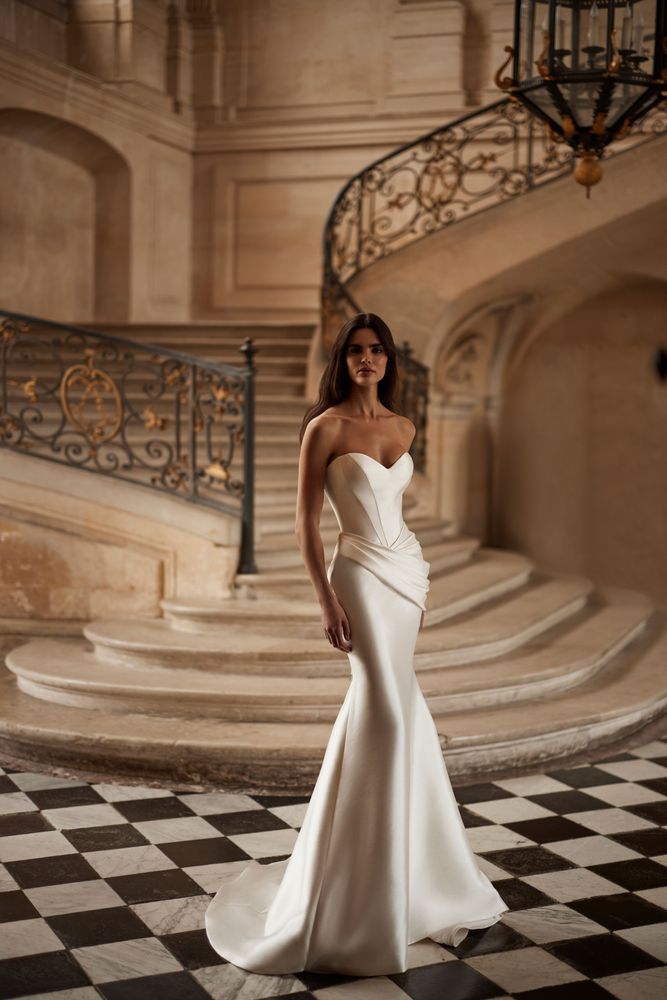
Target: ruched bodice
x: 367, y: 499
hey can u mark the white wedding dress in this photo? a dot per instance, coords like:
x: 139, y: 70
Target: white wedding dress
x: 382, y: 859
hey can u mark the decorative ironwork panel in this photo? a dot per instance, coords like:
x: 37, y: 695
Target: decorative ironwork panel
x: 477, y: 161
x: 133, y: 411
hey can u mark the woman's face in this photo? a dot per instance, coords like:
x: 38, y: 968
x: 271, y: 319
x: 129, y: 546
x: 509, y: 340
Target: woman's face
x: 366, y: 357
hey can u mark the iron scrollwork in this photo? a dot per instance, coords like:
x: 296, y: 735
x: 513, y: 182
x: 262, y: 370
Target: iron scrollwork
x: 480, y: 160
x: 135, y: 411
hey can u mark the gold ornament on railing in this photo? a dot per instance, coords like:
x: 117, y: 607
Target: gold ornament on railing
x: 98, y: 389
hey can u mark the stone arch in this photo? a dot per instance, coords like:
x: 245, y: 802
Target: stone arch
x: 582, y: 479
x: 105, y: 216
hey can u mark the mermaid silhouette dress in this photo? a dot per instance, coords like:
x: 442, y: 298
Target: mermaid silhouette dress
x: 382, y: 858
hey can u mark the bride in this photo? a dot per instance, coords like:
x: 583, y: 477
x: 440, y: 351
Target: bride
x: 382, y: 858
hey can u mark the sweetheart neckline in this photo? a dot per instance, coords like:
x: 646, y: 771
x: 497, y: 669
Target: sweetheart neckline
x: 387, y: 468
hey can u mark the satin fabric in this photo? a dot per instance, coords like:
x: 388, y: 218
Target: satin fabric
x: 382, y: 858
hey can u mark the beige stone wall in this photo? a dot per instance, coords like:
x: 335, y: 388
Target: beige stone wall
x: 289, y: 98
x: 77, y: 546
x: 582, y: 476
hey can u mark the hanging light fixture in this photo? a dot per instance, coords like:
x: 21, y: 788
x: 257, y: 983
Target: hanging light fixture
x: 589, y: 69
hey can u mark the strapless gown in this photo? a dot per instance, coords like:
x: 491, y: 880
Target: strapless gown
x: 382, y: 858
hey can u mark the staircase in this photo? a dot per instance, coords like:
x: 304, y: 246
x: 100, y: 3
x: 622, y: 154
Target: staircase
x: 518, y: 668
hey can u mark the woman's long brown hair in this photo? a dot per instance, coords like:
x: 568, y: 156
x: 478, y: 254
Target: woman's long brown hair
x: 335, y: 380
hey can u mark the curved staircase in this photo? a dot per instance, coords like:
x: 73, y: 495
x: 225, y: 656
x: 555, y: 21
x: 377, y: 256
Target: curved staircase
x: 517, y: 667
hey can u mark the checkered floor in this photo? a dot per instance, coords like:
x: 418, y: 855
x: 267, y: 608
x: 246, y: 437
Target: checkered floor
x: 103, y: 889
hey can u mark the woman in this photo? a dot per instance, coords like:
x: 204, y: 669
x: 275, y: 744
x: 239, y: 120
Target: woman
x: 382, y: 859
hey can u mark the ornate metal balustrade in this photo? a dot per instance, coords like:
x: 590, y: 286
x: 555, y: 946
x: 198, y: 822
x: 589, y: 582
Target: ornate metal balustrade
x: 139, y: 412
x: 482, y: 159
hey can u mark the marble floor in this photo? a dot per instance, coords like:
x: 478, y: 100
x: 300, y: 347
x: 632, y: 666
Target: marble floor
x: 103, y: 889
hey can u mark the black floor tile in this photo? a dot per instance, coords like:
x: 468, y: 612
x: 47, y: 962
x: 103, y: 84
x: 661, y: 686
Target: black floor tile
x: 582, y: 990
x: 6, y: 784
x: 105, y: 838
x: 601, y: 955
x: 484, y: 792
x: 15, y: 905
x: 17, y: 824
x: 566, y: 802
x: 91, y: 927
x: 655, y: 812
x: 66, y: 797
x: 269, y: 801
x: 247, y: 821
x: 192, y: 949
x: 211, y: 851
x: 53, y: 870
x: 649, y: 842
x: 584, y: 776
x: 485, y: 940
x: 655, y: 784
x: 170, y: 986
x: 636, y: 874
x: 19, y: 977
x: 142, y: 810
x: 453, y: 980
x: 519, y: 895
x: 619, y: 911
x: 528, y: 860
x: 170, y: 884
x: 548, y: 828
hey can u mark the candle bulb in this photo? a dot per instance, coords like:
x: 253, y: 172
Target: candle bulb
x: 593, y: 26
x: 560, y: 27
x: 626, y: 33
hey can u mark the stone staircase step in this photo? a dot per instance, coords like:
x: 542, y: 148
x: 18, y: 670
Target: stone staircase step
x: 270, y: 649
x: 70, y: 673
x: 261, y: 757
x: 439, y: 554
x: 428, y: 529
x: 235, y: 331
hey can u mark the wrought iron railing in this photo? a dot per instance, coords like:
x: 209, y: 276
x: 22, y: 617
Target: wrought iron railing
x: 482, y: 159
x: 135, y: 411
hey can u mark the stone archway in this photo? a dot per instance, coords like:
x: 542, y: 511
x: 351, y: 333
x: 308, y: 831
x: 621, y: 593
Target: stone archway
x: 582, y: 478
x: 67, y: 202
x: 466, y: 398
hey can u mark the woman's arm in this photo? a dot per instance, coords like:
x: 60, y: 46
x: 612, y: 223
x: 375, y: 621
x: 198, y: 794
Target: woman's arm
x: 315, y: 450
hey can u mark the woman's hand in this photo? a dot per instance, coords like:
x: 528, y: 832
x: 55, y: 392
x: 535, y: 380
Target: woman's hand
x: 336, y: 626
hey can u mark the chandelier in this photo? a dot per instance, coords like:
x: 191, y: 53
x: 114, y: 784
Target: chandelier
x: 589, y: 69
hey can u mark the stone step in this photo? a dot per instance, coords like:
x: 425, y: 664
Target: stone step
x: 427, y: 529
x: 191, y: 614
x: 488, y: 573
x: 274, y: 650
x: 68, y: 672
x: 178, y: 335
x: 280, y: 360
x: 281, y: 408
x: 265, y: 757
x: 440, y: 554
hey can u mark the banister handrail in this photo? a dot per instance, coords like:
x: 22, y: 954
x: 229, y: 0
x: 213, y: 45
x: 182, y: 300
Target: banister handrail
x: 137, y: 411
x: 477, y: 161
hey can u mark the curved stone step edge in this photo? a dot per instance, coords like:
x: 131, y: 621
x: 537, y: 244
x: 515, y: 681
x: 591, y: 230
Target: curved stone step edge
x: 248, y: 758
x: 159, y: 691
x: 192, y: 613
x: 101, y: 632
x: 639, y: 695
x: 272, y: 579
x: 160, y: 646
